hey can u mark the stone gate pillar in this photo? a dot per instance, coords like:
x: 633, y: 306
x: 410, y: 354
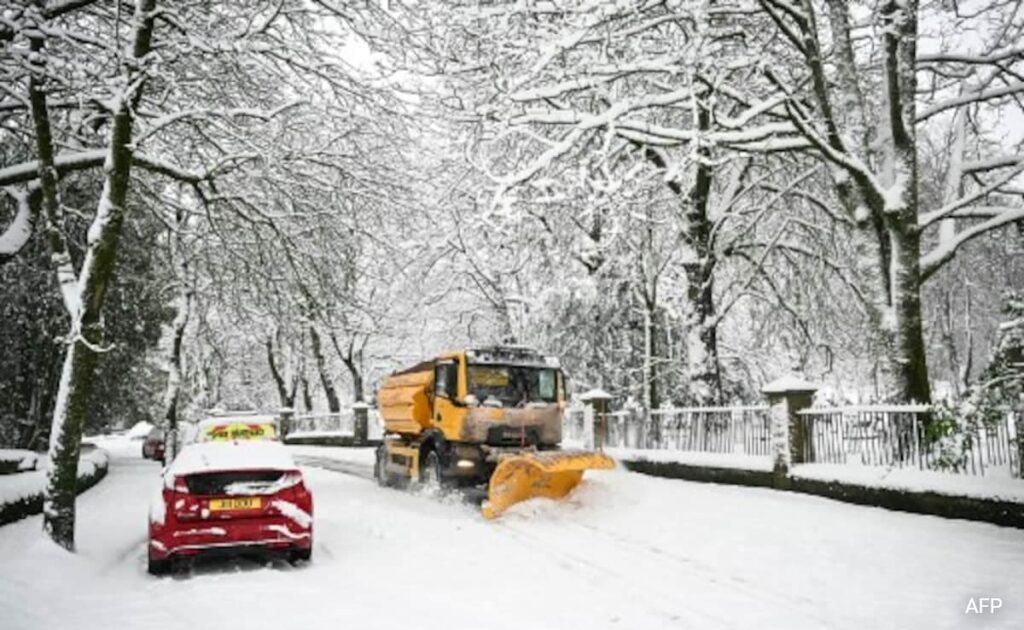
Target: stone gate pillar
x: 790, y: 440
x: 360, y: 422
x: 595, y: 417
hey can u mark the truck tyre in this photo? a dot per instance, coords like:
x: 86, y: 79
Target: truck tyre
x: 430, y: 474
x: 379, y: 473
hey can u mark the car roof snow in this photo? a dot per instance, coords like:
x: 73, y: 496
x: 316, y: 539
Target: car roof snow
x: 234, y: 455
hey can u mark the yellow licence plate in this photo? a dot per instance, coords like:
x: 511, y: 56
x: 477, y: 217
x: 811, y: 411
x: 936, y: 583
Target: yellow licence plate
x: 247, y: 503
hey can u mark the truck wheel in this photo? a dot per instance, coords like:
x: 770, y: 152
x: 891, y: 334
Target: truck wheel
x: 378, y: 468
x: 430, y: 473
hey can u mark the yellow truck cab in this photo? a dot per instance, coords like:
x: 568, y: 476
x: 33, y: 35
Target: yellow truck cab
x: 454, y: 419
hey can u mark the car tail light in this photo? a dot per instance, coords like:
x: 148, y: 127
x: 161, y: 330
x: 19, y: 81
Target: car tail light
x: 186, y: 506
x: 291, y: 479
x: 180, y: 487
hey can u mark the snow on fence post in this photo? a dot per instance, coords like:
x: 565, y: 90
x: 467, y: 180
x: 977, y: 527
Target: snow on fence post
x: 595, y: 418
x: 360, y: 426
x: 789, y: 436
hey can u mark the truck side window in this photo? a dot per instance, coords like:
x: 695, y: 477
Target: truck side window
x: 445, y: 379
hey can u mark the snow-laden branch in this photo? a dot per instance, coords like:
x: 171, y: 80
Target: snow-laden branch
x: 64, y: 163
x: 992, y: 163
x: 927, y: 219
x: 745, y: 117
x: 18, y: 233
x: 266, y: 115
x: 758, y: 270
x: 57, y: 9
x: 944, y: 252
x: 597, y: 76
x: 1017, y: 52
x: 840, y: 157
x: 971, y: 97
x: 741, y: 138
x: 26, y: 172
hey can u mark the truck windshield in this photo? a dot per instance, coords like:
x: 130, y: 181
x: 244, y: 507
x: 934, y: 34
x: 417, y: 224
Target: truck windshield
x: 512, y: 384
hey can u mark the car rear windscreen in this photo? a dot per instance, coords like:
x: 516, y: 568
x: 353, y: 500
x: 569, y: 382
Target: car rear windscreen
x: 233, y: 482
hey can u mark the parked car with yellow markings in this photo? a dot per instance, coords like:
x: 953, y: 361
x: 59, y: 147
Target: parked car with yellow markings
x: 227, y: 495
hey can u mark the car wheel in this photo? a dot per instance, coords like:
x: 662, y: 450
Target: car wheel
x: 300, y: 555
x: 158, y: 567
x: 430, y: 473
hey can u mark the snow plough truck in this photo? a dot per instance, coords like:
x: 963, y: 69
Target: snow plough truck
x: 485, y: 417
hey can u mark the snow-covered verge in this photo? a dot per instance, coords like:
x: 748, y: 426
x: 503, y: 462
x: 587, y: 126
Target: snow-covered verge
x: 693, y: 458
x: 21, y: 495
x: 14, y: 461
x: 914, y: 480
x: 999, y: 487
x: 624, y: 551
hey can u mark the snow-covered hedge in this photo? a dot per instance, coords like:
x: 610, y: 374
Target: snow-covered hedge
x: 21, y: 495
x: 17, y: 460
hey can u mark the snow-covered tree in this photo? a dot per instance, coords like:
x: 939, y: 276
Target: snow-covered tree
x: 188, y: 92
x: 855, y: 87
x: 862, y: 84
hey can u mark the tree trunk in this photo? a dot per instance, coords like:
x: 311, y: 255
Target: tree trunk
x: 307, y: 397
x: 178, y: 326
x: 910, y: 356
x: 287, y: 398
x: 86, y: 319
x: 174, y: 361
x: 703, y: 374
x: 357, y: 381
x: 650, y: 372
x: 333, y: 404
x: 702, y: 325
x: 66, y: 438
x: 353, y: 360
x: 900, y: 173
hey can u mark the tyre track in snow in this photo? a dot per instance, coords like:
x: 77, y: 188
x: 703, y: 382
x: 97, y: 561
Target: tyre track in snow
x: 653, y: 557
x: 124, y: 475
x: 607, y: 557
x: 615, y: 548
x: 762, y: 592
x: 609, y: 578
x: 662, y: 604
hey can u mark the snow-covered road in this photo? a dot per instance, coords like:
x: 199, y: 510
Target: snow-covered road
x: 625, y: 551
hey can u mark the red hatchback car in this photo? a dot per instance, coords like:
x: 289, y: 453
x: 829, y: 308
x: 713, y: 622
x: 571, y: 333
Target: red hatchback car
x: 230, y: 497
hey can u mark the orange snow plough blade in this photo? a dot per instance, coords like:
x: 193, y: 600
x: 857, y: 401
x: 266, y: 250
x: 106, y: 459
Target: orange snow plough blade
x: 552, y: 475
